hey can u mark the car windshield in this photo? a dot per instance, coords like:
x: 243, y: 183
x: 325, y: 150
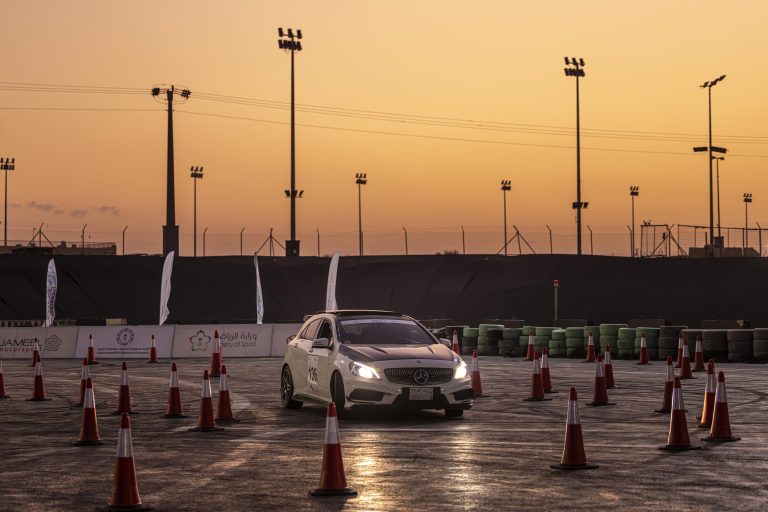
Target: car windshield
x: 382, y: 331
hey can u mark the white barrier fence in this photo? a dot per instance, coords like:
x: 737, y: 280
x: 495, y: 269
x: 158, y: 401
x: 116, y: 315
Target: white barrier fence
x: 133, y: 341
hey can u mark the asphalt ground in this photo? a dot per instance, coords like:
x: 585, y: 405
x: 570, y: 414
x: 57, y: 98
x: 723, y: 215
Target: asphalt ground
x: 497, y: 457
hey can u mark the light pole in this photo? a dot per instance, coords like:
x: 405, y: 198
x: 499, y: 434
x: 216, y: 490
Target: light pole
x: 708, y: 86
x: 747, y: 200
x: 241, y: 240
x: 577, y: 71
x: 196, y: 173
x: 290, y: 42
x: 82, y: 240
x: 634, y: 191
x: 204, y: 231
x: 125, y: 228
x: 717, y: 172
x: 7, y: 164
x: 361, y: 179
x: 506, y: 186
x: 405, y: 232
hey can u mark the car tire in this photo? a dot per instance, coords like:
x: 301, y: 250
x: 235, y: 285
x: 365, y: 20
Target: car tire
x: 454, y: 413
x: 338, y: 395
x: 286, y: 390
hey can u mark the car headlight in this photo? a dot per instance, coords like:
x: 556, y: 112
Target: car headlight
x: 363, y: 370
x: 461, y: 371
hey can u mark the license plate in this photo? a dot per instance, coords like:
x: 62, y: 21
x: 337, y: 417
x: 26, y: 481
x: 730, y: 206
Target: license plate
x: 421, y: 393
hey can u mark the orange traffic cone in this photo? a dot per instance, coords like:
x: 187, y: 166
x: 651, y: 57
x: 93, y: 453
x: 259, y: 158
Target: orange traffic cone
x: 124, y: 396
x: 333, y: 482
x: 698, y: 362
x: 573, y: 449
x: 720, y: 432
x: 153, y: 351
x: 91, y: 351
x: 206, y: 422
x: 678, y: 439
x: 174, y: 408
x: 685, y: 368
x: 224, y: 409
x: 600, y: 396
x: 643, y: 351
x: 125, y: 487
x: 537, y: 386
x: 545, y: 379
x: 89, y: 431
x: 608, y: 367
x: 2, y: 381
x: 455, y: 343
x: 216, y: 356
x: 85, y: 374
x: 477, y: 386
x: 590, y: 349
x: 680, y: 340
x: 529, y: 354
x: 35, y: 352
x: 705, y: 421
x: 669, y: 383
x: 38, y: 388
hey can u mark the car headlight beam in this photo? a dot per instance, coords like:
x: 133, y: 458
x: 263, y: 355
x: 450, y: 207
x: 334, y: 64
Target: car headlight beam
x: 364, y: 371
x: 461, y: 371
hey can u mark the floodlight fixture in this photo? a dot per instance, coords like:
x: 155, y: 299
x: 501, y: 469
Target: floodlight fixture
x: 298, y: 33
x: 280, y: 32
x: 700, y: 149
x: 634, y: 191
x: 718, y: 149
x: 567, y: 61
x: 747, y: 198
x: 361, y: 178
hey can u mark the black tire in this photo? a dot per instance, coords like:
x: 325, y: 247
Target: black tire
x: 286, y: 390
x: 454, y: 413
x: 338, y: 395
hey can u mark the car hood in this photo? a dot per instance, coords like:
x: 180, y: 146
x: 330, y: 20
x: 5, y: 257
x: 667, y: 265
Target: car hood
x: 370, y: 353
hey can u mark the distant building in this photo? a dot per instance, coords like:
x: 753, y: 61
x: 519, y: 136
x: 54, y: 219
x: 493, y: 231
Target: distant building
x: 64, y: 248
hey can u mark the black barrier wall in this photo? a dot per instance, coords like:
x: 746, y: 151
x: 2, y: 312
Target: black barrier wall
x: 466, y: 289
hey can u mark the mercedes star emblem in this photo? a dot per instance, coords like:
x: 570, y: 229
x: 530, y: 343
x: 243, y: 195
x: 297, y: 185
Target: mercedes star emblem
x: 420, y: 376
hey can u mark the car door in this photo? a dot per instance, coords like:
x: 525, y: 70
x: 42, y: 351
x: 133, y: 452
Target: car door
x: 318, y: 364
x: 300, y: 346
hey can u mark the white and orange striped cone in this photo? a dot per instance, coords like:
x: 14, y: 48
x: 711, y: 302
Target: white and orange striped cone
x: 685, y: 368
x: 216, y: 356
x: 85, y: 374
x: 680, y: 340
x: 35, y: 352
x: 206, y: 421
x: 124, y: 395
x: 333, y: 481
x: 531, y: 349
x: 608, y: 368
x: 224, y: 407
x: 600, y: 396
x: 643, y: 351
x: 698, y: 361
x: 174, y: 408
x: 38, y: 387
x: 546, y: 381
x: 153, y: 351
x: 91, y: 351
x: 89, y: 430
x: 455, y: 342
x: 710, y: 388
x: 125, y: 486
x: 720, y: 431
x: 678, y: 439
x: 590, y: 349
x: 477, y: 386
x: 669, y: 384
x: 537, y: 386
x: 573, y: 448
x: 2, y: 381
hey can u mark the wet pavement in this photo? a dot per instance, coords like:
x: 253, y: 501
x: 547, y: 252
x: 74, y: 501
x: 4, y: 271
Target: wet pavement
x: 496, y: 457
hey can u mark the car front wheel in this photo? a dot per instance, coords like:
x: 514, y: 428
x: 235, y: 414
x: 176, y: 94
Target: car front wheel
x: 286, y: 390
x: 338, y: 396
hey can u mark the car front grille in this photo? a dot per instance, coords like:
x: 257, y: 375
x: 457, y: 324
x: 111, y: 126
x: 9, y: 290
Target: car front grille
x: 408, y: 376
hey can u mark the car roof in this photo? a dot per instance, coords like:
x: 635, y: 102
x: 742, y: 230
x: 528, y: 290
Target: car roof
x: 355, y: 312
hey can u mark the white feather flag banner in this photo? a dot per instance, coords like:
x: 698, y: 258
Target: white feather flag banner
x: 330, y: 294
x: 51, y: 284
x: 165, y: 287
x: 259, y: 296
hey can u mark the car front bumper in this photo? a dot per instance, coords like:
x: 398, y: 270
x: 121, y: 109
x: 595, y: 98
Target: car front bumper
x: 364, y: 393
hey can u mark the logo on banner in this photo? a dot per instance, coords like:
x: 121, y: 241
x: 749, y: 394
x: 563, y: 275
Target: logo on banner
x: 199, y: 341
x: 52, y: 343
x: 124, y: 336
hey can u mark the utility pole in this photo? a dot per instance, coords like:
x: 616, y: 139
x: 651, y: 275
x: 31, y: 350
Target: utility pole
x: 318, y: 241
x: 82, y: 239
x: 241, y: 240
x: 463, y: 242
x: 634, y: 191
x: 360, y: 179
x: 578, y: 72
x: 196, y: 173
x: 551, y: 250
x: 505, y: 187
x: 405, y: 231
x: 126, y: 227
x: 7, y: 164
x: 204, y: 231
x: 747, y: 200
x: 170, y: 230
x: 291, y: 42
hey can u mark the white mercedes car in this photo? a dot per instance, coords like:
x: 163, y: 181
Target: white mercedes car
x: 360, y: 359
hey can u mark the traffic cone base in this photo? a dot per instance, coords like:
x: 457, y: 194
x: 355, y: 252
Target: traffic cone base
x: 46, y: 399
x: 673, y: 448
x: 117, y: 413
x: 171, y: 416
x: 572, y: 467
x: 645, y: 363
x: 600, y: 404
x: 206, y: 429
x: 720, y: 439
x: 542, y: 399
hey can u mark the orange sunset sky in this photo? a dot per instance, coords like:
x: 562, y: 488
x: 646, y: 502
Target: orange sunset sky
x: 497, y: 63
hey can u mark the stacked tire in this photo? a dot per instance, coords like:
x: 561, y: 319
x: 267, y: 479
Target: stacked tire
x: 482, y: 338
x: 668, y: 335
x: 625, y: 343
x: 557, y: 347
x: 524, y: 338
x: 609, y: 335
x: 739, y: 345
x: 714, y: 344
x: 509, y: 342
x: 469, y: 340
x: 760, y: 345
x: 651, y: 341
x: 595, y: 338
x: 543, y: 335
x: 574, y: 342
x: 493, y: 336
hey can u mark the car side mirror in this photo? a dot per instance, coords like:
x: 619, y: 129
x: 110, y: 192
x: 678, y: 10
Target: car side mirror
x: 445, y: 342
x: 289, y: 338
x: 321, y: 343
